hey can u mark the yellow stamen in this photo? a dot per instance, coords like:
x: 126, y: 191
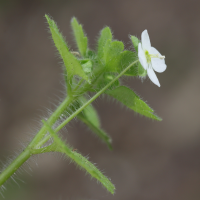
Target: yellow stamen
x: 157, y: 56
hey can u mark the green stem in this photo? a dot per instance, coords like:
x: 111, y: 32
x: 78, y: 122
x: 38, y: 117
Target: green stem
x: 83, y: 89
x: 69, y: 88
x: 50, y: 148
x: 79, y: 83
x: 93, y: 98
x: 39, y: 140
x: 11, y: 169
x: 34, y: 144
x: 87, y: 86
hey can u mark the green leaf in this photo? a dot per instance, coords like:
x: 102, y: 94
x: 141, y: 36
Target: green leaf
x: 91, y: 54
x: 116, y: 60
x: 119, y: 61
x: 80, y: 160
x: 106, y: 35
x: 72, y: 65
x: 112, y: 56
x: 112, y: 51
x: 90, y: 117
x: 97, y: 130
x: 81, y: 39
x: 86, y: 65
x: 89, y: 112
x: 108, y: 77
x: 126, y: 58
x: 135, y: 42
x: 132, y: 101
x: 105, y: 79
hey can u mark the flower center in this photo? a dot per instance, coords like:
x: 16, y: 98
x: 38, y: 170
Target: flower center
x: 149, y: 56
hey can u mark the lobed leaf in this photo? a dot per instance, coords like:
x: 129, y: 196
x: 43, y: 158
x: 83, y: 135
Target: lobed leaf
x: 73, y: 67
x: 116, y: 60
x: 112, y: 51
x: 120, y: 61
x: 81, y: 39
x: 126, y: 58
x: 132, y: 101
x: 81, y: 161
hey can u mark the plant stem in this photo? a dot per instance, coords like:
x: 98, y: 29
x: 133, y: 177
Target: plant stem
x: 79, y: 83
x: 34, y: 144
x: 39, y: 140
x: 10, y: 170
x: 93, y: 98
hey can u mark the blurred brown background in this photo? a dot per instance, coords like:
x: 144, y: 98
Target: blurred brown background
x: 150, y: 160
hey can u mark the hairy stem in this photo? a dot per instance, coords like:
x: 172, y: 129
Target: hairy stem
x: 39, y: 140
x: 11, y: 169
x: 34, y: 144
x: 93, y: 98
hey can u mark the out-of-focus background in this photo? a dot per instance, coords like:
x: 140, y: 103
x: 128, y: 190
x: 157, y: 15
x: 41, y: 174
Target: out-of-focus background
x: 151, y: 160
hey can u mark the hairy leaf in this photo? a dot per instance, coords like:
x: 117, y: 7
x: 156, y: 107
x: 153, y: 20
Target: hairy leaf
x: 135, y: 42
x: 90, y: 117
x: 126, y: 58
x: 106, y: 35
x: 81, y: 39
x: 97, y: 130
x: 121, y: 61
x: 115, y: 59
x: 89, y: 112
x: 72, y: 65
x: 104, y: 80
x: 112, y: 51
x: 132, y: 101
x: 80, y: 160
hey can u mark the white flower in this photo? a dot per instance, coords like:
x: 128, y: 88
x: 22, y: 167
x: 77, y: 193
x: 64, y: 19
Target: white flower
x: 150, y: 58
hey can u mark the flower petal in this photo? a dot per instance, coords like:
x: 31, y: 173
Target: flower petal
x: 154, y: 51
x: 157, y: 63
x: 146, y: 44
x: 142, y: 57
x: 153, y: 76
